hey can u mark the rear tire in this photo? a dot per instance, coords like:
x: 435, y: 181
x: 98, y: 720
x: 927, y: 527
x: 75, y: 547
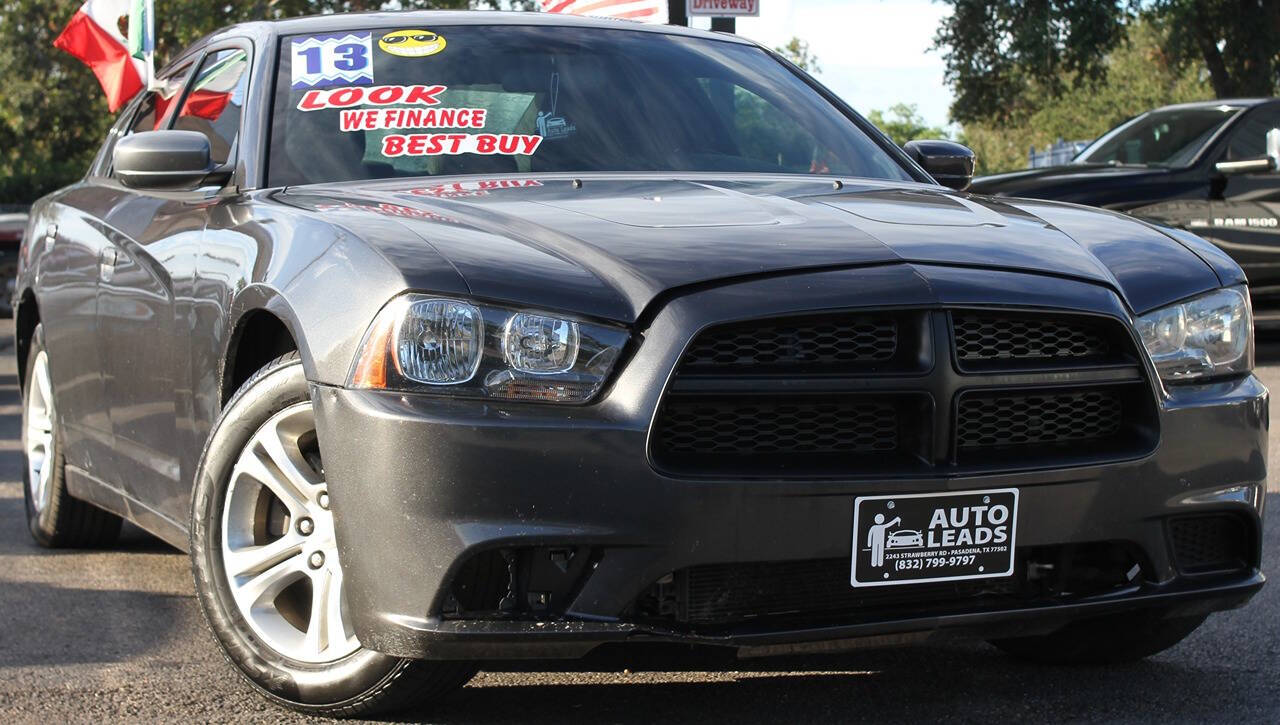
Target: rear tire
x: 1115, y: 639
x: 266, y: 569
x: 55, y: 519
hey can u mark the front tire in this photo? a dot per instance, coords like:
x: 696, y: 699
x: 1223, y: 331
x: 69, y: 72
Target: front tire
x: 1110, y: 640
x: 266, y: 565
x: 55, y: 519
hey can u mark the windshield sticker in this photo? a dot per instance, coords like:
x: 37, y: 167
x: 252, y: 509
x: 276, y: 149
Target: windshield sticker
x: 452, y: 144
x: 375, y: 96
x: 550, y: 126
x: 382, y: 118
x: 412, y: 43
x: 333, y: 60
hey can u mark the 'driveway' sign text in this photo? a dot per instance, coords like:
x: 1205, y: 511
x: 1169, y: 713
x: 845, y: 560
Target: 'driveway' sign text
x: 723, y: 8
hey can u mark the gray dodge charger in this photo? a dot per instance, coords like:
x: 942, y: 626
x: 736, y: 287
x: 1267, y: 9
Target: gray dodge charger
x: 445, y: 339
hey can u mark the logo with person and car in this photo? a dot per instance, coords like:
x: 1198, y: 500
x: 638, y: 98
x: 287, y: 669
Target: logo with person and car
x: 933, y: 537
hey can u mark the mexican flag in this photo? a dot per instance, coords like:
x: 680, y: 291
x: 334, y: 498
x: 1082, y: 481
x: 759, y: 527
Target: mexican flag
x: 123, y: 65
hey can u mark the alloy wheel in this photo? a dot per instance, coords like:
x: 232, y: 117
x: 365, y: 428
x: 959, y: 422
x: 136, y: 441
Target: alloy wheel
x: 279, y: 553
x: 40, y: 441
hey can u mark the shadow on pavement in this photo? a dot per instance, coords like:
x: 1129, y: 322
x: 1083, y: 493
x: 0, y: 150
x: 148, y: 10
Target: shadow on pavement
x: 107, y: 621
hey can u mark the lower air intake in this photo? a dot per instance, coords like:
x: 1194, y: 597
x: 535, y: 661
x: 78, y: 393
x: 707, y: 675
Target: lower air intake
x: 1202, y: 544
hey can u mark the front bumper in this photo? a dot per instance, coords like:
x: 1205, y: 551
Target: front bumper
x: 421, y: 485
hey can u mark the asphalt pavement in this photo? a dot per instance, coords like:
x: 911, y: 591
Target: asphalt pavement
x: 117, y: 636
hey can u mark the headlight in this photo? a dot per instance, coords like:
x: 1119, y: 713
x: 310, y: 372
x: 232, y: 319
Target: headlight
x: 1209, y: 336
x: 454, y: 347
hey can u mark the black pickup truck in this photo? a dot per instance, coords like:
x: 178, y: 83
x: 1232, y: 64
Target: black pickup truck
x: 1203, y: 166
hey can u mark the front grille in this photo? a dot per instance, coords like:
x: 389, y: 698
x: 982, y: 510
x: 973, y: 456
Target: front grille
x: 1216, y: 542
x: 810, y: 344
x: 993, y: 340
x: 771, y: 425
x: 795, y: 435
x: 1016, y: 419
x: 904, y: 392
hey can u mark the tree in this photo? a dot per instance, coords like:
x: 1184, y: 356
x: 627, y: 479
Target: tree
x: 54, y: 116
x: 906, y: 124
x: 999, y: 51
x: 797, y: 51
x: 1141, y: 74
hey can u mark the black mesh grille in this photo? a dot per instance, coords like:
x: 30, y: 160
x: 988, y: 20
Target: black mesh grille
x: 994, y: 339
x: 770, y: 425
x: 1209, y: 543
x: 880, y: 393
x: 1015, y: 419
x: 728, y: 593
x: 815, y: 343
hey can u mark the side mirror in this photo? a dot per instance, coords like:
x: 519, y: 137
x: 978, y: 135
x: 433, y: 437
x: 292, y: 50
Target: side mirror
x: 1262, y: 165
x: 165, y: 160
x: 949, y: 163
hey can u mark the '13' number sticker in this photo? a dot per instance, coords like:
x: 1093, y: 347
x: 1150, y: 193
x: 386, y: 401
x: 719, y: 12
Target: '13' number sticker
x: 333, y: 60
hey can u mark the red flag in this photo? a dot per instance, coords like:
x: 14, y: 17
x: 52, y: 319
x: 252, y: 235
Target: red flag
x: 94, y: 36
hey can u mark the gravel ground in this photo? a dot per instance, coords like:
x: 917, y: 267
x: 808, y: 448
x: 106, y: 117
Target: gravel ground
x: 113, y: 636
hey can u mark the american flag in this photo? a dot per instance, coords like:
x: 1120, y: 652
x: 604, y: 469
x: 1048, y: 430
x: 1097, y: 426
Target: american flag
x: 648, y: 11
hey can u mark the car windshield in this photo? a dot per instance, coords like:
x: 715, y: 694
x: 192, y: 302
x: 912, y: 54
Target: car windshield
x: 1158, y: 138
x: 385, y: 103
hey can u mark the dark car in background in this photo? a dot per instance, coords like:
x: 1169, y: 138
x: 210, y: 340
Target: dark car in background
x: 439, y: 339
x: 13, y: 222
x: 1203, y: 166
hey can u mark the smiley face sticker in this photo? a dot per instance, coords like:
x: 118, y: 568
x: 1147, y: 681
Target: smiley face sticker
x: 412, y: 43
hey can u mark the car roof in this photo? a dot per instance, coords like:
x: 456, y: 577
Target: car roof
x: 427, y: 18
x: 1219, y: 102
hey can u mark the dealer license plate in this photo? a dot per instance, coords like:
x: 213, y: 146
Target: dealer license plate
x: 933, y: 537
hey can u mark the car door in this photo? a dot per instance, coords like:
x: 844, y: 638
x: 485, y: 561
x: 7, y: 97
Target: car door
x: 1245, y: 215
x: 145, y: 297
x: 74, y: 233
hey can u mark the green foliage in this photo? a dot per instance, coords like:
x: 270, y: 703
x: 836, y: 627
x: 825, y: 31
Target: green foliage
x: 54, y: 115
x: 995, y: 49
x: 797, y: 51
x: 906, y: 124
x: 1003, y: 56
x: 1238, y: 41
x: 1141, y: 74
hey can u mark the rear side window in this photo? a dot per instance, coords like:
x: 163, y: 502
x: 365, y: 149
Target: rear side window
x: 215, y: 102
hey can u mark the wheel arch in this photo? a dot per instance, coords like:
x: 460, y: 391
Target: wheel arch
x: 264, y: 327
x: 26, y: 317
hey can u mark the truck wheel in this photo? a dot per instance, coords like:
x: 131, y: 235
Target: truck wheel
x: 266, y: 563
x: 56, y: 520
x: 1109, y: 640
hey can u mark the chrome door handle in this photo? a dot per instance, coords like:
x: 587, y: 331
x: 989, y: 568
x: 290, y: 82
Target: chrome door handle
x: 107, y: 263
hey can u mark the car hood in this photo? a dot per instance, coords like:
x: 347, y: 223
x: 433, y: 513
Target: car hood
x: 1070, y: 182
x: 609, y: 246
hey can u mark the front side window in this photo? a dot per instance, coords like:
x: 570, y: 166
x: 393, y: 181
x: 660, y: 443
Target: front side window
x: 156, y: 107
x: 1160, y: 138
x: 1249, y: 136
x: 385, y: 103
x: 215, y: 102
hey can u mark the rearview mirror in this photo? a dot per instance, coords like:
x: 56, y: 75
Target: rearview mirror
x: 949, y: 163
x: 164, y: 160
x: 1260, y: 165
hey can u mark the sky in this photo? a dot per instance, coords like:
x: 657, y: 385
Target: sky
x: 873, y: 53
